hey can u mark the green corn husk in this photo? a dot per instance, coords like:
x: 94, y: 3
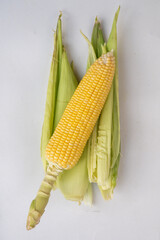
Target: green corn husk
x: 115, y: 135
x: 74, y: 183
x: 112, y: 44
x: 67, y: 85
x: 53, y: 82
x: 47, y: 129
x: 97, y: 39
x: 104, y: 144
x: 95, y: 51
x: 104, y: 139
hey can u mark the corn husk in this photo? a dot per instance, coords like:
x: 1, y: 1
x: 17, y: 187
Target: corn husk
x: 66, y: 87
x: 112, y: 44
x: 107, y: 192
x: 74, y: 183
x: 97, y: 39
x: 47, y: 129
x: 104, y: 144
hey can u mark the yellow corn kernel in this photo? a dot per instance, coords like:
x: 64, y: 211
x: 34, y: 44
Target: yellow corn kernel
x: 72, y: 132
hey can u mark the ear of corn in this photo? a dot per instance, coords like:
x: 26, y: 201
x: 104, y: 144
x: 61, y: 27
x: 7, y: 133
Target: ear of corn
x: 103, y: 148
x: 73, y: 130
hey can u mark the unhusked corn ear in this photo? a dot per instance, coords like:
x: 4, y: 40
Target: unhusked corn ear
x: 71, y: 134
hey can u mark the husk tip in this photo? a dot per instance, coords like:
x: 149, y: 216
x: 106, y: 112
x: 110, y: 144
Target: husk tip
x: 96, y: 20
x: 60, y: 14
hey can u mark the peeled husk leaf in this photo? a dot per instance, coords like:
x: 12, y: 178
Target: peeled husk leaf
x: 104, y: 144
x: 107, y: 191
x: 74, y: 183
x: 47, y: 128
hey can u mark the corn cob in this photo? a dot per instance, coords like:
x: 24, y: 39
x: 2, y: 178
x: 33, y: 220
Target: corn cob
x: 72, y: 132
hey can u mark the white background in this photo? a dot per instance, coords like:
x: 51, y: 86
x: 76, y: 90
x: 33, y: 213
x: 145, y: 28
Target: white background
x: 26, y: 45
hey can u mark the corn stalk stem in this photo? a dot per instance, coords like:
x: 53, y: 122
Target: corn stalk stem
x: 38, y: 205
